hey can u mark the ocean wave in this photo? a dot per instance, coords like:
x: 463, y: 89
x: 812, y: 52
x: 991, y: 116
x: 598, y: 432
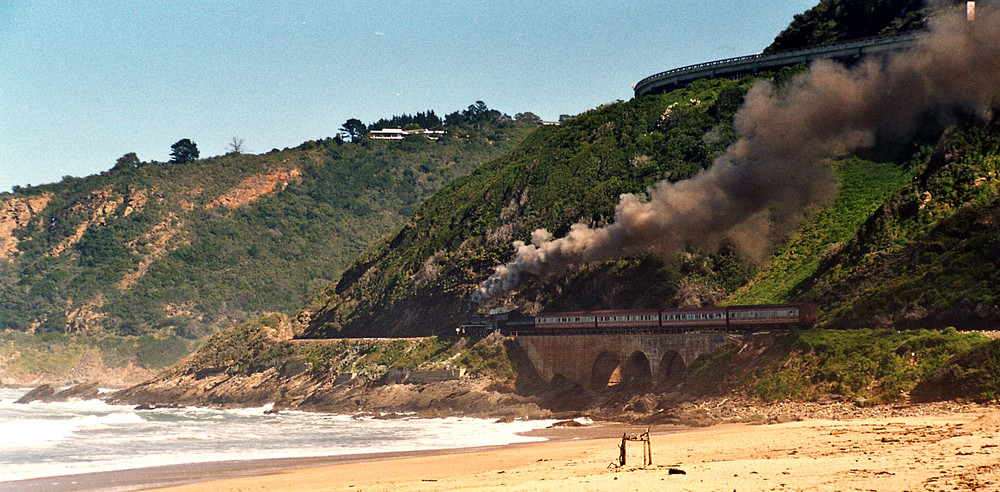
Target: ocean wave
x: 35, y: 433
x: 41, y: 440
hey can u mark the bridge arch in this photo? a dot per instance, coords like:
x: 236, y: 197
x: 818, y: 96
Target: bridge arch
x: 606, y: 371
x: 636, y: 372
x: 671, y: 368
x: 595, y: 361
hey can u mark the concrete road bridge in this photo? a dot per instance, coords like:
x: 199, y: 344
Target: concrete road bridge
x: 599, y: 361
x: 751, y: 64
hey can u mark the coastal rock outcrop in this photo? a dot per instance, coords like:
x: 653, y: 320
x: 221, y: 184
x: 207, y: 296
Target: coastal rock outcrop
x: 39, y: 393
x: 467, y: 396
x: 46, y: 393
x: 85, y: 391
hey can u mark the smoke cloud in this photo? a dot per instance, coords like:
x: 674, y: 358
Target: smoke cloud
x: 780, y: 163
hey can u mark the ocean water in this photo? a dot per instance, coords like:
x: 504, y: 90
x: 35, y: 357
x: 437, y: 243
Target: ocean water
x: 52, y: 439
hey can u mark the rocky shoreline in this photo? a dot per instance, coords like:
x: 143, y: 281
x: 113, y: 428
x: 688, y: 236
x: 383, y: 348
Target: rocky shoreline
x: 484, y: 398
x: 488, y: 378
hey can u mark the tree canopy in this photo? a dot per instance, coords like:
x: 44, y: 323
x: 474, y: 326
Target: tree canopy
x: 128, y: 161
x: 355, y: 129
x: 183, y: 151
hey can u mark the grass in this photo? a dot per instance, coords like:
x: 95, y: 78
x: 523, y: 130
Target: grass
x: 870, y: 366
x: 973, y: 374
x: 864, y: 186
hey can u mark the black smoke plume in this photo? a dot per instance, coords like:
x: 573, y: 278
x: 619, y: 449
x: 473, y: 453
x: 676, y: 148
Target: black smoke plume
x: 780, y: 163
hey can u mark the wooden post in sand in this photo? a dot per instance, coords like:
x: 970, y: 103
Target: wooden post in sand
x: 621, y: 449
x: 647, y: 448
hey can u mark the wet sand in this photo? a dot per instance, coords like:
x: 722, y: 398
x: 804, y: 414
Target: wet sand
x: 945, y: 451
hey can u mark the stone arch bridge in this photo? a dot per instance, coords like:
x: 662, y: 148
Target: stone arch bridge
x: 599, y: 361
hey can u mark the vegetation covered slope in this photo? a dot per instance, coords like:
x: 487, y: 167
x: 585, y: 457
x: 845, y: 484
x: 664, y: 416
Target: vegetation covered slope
x: 188, y: 247
x: 901, y: 243
x: 840, y: 20
x: 867, y: 366
x: 418, y: 281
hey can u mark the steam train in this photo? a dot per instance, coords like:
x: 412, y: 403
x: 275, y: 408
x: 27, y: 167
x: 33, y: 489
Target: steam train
x: 724, y: 319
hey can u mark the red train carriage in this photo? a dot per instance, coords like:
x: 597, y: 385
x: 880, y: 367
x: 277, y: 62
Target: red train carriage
x: 778, y: 315
x: 628, y: 318
x: 571, y: 321
x: 679, y: 319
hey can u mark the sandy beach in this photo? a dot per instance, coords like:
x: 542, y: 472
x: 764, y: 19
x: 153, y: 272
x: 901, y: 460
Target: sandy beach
x: 904, y: 448
x: 945, y: 451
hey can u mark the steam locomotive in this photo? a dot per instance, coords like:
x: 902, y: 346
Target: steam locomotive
x: 724, y: 318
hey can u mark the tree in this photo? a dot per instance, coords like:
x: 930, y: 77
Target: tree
x: 528, y: 117
x: 236, y: 146
x: 183, y: 151
x: 355, y: 129
x: 128, y: 161
x: 476, y: 112
x: 454, y: 119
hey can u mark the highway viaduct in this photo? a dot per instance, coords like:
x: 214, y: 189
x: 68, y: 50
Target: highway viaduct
x: 751, y: 64
x: 599, y: 361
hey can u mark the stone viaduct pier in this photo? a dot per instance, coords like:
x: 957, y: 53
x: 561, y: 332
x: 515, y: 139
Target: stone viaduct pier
x: 599, y: 361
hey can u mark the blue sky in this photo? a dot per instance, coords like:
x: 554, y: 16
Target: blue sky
x: 87, y: 82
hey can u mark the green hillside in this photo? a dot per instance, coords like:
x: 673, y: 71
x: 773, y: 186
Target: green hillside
x: 840, y: 20
x: 419, y: 280
x: 903, y: 244
x: 186, y: 248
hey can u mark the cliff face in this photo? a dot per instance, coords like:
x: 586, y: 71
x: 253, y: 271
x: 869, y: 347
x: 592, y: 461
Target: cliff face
x: 15, y: 213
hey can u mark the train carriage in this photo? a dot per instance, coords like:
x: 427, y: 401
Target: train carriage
x: 568, y: 322
x: 730, y: 319
x: 776, y: 315
x: 628, y: 318
x: 681, y: 319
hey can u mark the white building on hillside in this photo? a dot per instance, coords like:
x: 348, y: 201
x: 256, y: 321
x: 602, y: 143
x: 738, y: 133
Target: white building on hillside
x: 399, y: 134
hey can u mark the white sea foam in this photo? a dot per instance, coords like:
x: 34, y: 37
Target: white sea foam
x: 34, y: 433
x: 27, y: 433
x: 40, y: 440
